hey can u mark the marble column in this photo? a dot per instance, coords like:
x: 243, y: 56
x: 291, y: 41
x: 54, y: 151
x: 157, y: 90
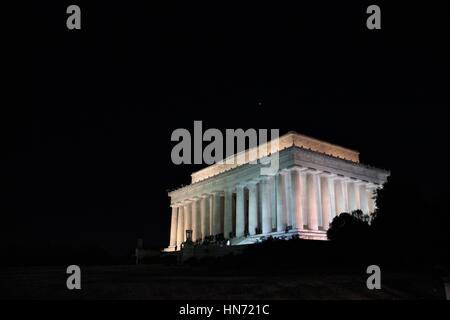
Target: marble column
x: 357, y: 195
x: 351, y: 196
x: 273, y: 202
x: 216, y: 213
x: 304, y: 203
x: 289, y: 194
x: 222, y: 212
x: 240, y: 211
x: 205, y: 214
x: 266, y: 207
x: 299, y: 198
x: 328, y: 198
x: 332, y: 196
x: 193, y: 218
x: 339, y: 195
x: 364, y: 201
x: 345, y: 187
x: 314, y: 205
x: 181, y: 234
x: 228, y: 213
x: 252, y: 207
x: 187, y: 217
x: 281, y: 202
x: 211, y: 214
x: 260, y: 191
x: 173, y: 227
x: 196, y: 218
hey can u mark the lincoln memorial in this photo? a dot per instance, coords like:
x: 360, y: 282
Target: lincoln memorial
x: 316, y: 181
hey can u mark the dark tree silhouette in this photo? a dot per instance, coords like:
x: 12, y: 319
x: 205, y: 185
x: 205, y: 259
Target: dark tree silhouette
x: 410, y: 226
x: 348, y: 227
x: 411, y: 223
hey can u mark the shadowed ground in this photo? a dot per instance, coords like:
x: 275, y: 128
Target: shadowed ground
x: 190, y: 282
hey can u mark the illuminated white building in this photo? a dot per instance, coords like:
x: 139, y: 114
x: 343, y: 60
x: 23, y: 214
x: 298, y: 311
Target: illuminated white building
x: 316, y: 181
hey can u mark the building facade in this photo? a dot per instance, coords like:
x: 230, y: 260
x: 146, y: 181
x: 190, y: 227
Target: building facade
x: 315, y: 182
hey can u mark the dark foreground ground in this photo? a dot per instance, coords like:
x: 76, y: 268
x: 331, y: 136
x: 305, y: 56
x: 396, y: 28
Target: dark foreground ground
x: 159, y: 281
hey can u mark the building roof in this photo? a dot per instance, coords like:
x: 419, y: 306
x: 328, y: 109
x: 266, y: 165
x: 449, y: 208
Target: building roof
x: 288, y: 140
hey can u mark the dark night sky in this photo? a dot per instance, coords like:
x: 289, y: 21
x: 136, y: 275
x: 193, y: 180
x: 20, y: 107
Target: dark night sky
x: 87, y: 159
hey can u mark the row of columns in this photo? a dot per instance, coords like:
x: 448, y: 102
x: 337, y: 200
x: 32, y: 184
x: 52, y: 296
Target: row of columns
x: 297, y: 198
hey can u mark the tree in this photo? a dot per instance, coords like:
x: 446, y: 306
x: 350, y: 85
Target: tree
x: 401, y: 221
x: 349, y: 227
